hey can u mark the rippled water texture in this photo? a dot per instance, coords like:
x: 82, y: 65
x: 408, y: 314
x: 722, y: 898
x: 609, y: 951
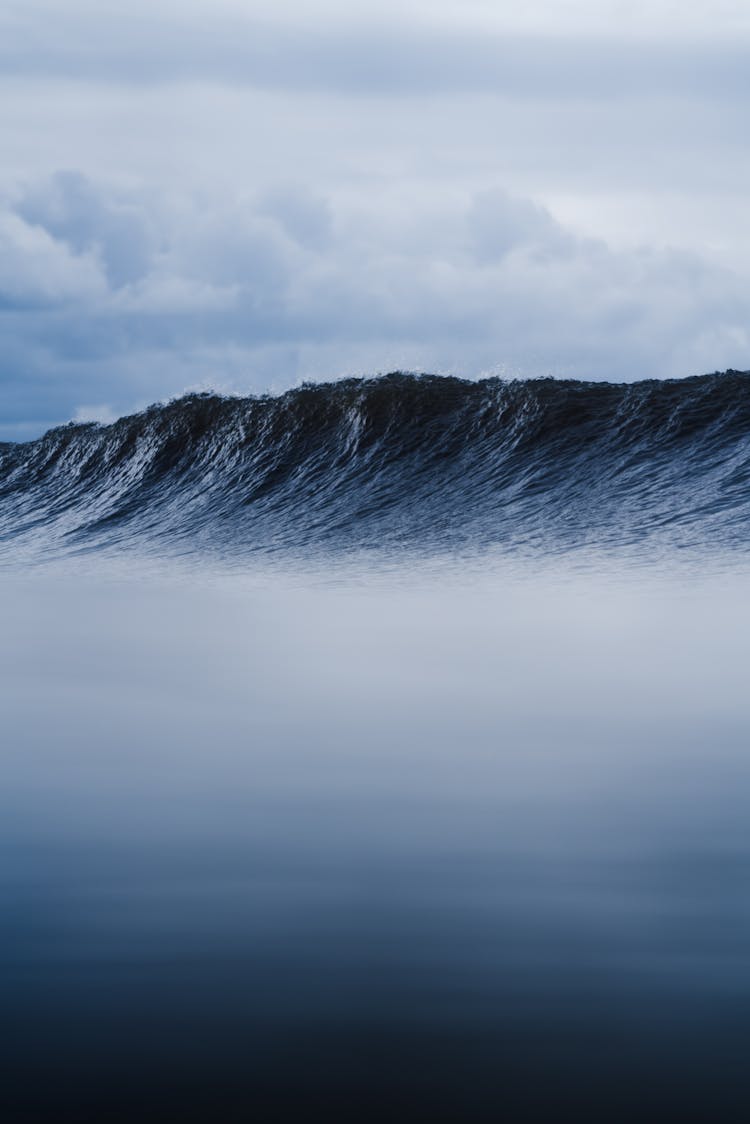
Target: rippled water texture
x: 404, y: 465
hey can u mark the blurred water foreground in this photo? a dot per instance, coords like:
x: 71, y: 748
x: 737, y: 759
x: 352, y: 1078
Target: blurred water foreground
x: 439, y: 846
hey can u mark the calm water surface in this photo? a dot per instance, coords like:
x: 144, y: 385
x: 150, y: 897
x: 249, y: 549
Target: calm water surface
x: 394, y: 846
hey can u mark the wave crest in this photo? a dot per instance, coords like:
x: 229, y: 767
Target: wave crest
x: 401, y: 462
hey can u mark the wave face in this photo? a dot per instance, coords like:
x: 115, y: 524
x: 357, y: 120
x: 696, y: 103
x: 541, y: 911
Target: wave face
x: 398, y: 463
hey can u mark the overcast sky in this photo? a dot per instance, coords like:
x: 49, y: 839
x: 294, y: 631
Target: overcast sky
x: 222, y: 193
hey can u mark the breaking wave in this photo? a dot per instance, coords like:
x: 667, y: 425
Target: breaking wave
x: 398, y: 463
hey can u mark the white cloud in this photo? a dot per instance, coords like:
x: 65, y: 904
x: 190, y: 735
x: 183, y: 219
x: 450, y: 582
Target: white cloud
x: 38, y: 270
x: 115, y: 231
x: 101, y: 413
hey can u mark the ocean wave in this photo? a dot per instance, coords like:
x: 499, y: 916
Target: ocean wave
x: 397, y: 463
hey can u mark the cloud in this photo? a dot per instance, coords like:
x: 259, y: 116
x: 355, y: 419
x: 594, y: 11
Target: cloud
x: 69, y: 209
x: 499, y: 223
x: 247, y: 293
x: 37, y: 270
x: 211, y: 193
x: 305, y: 217
x: 371, y: 52
x: 89, y: 413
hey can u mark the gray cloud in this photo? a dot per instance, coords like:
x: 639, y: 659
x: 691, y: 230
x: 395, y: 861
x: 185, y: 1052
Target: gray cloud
x: 253, y: 198
x: 369, y: 57
x: 303, y: 216
x: 500, y: 223
x: 69, y: 209
x: 250, y: 294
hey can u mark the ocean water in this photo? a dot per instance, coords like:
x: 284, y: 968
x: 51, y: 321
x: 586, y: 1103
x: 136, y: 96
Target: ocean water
x: 315, y: 805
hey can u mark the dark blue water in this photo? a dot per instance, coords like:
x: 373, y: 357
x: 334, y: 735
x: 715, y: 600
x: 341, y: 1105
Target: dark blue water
x: 395, y: 813
x: 407, y: 465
